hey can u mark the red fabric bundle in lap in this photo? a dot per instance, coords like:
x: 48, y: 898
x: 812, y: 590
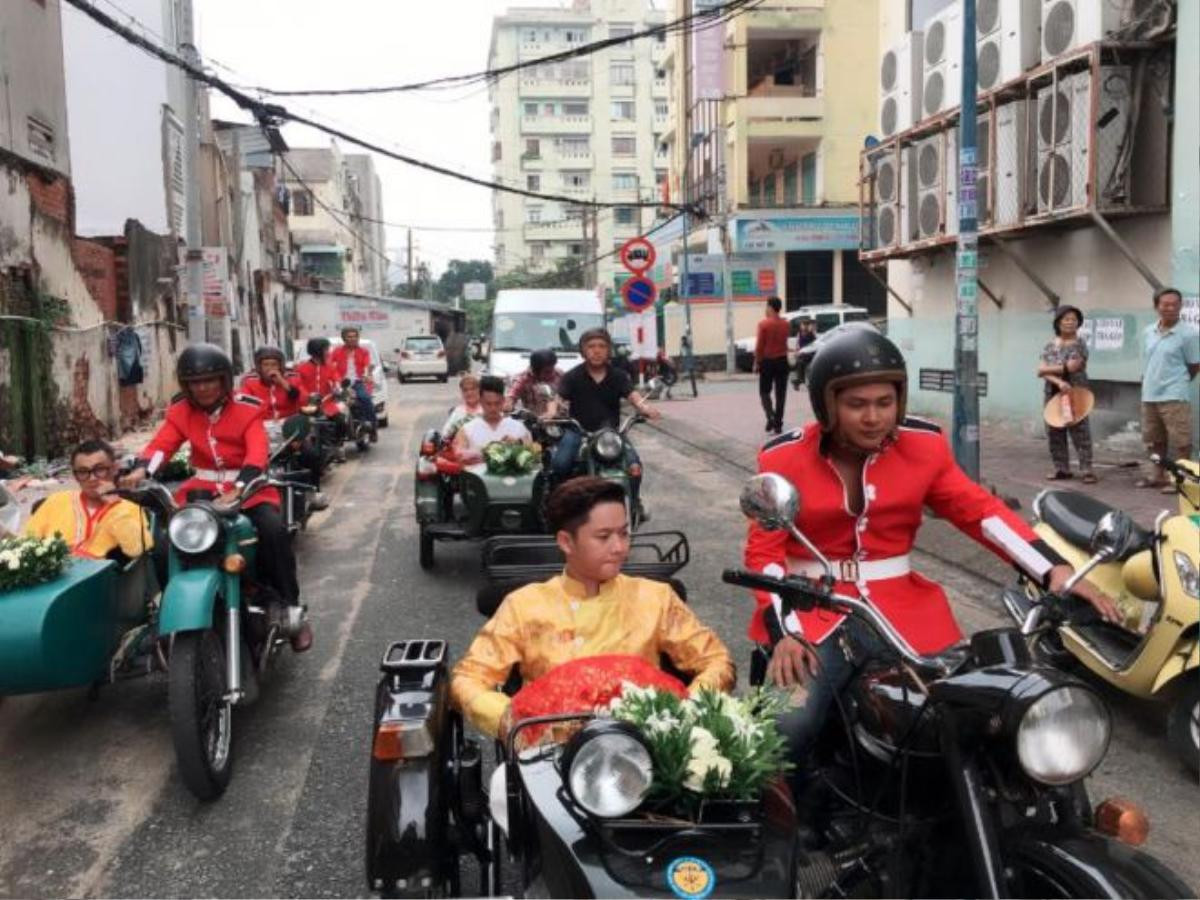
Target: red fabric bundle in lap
x: 582, y: 685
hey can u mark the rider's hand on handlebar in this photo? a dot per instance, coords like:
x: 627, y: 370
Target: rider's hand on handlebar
x: 228, y: 500
x: 792, y: 663
x: 1101, y: 602
x: 132, y: 478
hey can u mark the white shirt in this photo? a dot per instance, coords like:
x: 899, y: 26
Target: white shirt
x: 478, y: 433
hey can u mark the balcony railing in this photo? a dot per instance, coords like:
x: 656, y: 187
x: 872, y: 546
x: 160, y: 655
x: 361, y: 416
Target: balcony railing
x: 535, y: 125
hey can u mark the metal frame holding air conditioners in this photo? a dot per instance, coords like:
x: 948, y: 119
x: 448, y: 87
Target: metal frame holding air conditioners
x: 1133, y: 156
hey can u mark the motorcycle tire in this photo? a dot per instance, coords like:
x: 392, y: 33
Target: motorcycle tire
x: 1087, y: 865
x: 426, y: 550
x: 201, y: 720
x: 1183, y: 725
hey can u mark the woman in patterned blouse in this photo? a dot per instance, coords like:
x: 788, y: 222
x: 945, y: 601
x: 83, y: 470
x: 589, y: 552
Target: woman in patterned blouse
x: 1064, y: 366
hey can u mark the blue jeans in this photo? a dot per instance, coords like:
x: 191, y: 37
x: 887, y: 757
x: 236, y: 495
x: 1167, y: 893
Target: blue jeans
x: 363, y: 404
x: 801, y: 725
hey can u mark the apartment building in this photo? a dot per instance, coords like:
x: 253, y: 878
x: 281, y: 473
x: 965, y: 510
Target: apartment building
x: 589, y: 128
x: 778, y: 102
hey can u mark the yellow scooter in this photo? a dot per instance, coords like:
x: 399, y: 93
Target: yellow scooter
x: 1152, y: 576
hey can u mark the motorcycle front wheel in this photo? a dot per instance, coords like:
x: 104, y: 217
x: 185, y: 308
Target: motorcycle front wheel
x: 201, y: 716
x: 1183, y: 725
x: 1088, y: 865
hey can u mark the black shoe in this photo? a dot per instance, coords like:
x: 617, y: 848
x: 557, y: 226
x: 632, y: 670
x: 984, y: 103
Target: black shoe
x: 770, y: 426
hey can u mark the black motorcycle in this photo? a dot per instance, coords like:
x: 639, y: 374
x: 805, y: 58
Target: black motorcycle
x: 959, y: 774
x: 290, y: 441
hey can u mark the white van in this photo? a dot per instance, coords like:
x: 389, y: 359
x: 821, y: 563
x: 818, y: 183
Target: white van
x: 824, y: 315
x: 528, y: 320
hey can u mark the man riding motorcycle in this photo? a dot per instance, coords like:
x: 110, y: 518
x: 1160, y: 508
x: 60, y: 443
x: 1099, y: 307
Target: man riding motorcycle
x: 280, y: 394
x: 866, y: 472
x: 352, y: 361
x: 229, y: 448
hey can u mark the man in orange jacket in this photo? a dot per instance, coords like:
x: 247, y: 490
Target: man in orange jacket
x: 229, y: 449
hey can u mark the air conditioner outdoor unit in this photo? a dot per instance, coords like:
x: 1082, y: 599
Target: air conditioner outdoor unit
x: 1068, y: 138
x: 1012, y: 164
x: 1067, y: 24
x: 942, y: 83
x: 935, y: 159
x: 1008, y: 40
x: 894, y: 186
x: 900, y: 75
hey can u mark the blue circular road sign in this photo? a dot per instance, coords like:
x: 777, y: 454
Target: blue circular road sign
x: 639, y: 293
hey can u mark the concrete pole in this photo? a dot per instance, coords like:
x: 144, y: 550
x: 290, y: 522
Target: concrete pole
x: 194, y: 226
x: 690, y: 344
x: 965, y: 437
x: 411, y: 292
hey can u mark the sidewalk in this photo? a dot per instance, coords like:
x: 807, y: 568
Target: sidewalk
x: 727, y: 420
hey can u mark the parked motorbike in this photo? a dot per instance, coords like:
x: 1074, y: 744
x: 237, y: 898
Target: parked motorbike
x: 1152, y: 576
x: 956, y: 774
x: 427, y: 807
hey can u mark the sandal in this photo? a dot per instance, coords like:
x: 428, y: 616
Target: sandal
x: 1059, y: 476
x: 1149, y: 483
x: 1089, y: 478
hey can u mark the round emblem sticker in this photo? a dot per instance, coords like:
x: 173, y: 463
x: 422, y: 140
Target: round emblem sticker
x: 691, y: 878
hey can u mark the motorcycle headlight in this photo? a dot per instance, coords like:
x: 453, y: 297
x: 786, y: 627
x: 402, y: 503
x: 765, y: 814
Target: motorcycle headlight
x: 554, y: 432
x: 1188, y: 576
x: 609, y: 446
x: 607, y: 768
x: 1063, y: 735
x: 193, y: 529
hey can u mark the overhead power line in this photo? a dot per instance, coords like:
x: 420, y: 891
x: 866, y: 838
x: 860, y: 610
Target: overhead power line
x: 271, y: 114
x: 706, y: 18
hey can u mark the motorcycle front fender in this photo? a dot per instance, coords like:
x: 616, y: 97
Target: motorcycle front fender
x: 1180, y: 662
x: 189, y: 600
x: 1087, y: 864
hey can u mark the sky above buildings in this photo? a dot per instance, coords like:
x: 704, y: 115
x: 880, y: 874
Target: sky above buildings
x: 296, y: 44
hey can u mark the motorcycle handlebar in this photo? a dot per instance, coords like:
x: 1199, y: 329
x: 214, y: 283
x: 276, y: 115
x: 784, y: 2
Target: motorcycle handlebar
x: 1173, y: 467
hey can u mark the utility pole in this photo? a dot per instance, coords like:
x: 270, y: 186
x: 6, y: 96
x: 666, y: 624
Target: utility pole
x: 411, y: 286
x: 690, y: 343
x: 194, y: 269
x: 727, y: 281
x: 965, y: 438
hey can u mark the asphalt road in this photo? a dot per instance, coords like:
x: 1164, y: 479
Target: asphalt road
x: 92, y: 805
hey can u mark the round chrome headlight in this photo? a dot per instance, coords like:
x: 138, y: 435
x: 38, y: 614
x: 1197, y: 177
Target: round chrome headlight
x: 1063, y: 735
x: 608, y: 769
x: 193, y: 529
x: 609, y: 446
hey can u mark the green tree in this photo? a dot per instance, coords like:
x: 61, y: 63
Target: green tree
x: 459, y: 272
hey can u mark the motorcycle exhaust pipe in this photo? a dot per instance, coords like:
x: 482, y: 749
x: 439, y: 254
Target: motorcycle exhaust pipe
x: 233, y: 656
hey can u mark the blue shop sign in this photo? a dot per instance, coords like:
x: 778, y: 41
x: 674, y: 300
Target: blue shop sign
x: 756, y: 234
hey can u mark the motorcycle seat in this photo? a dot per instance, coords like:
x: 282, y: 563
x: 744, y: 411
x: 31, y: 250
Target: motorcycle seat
x: 1074, y: 517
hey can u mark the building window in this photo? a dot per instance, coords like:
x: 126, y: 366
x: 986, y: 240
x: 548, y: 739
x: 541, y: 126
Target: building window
x: 573, y: 214
x: 622, y: 73
x: 624, y: 146
x: 625, y: 181
x: 660, y: 38
x: 533, y: 182
x: 625, y: 215
x: 533, y: 214
x: 533, y: 148
x: 620, y: 31
x: 537, y: 252
x: 660, y: 177
x: 574, y: 146
x: 496, y: 151
x: 576, y: 108
x: 622, y: 110
x: 302, y: 202
x: 577, y: 249
x: 529, y: 36
x: 547, y: 109
x: 574, y: 36
x: 531, y: 109
x: 661, y: 109
x: 577, y: 179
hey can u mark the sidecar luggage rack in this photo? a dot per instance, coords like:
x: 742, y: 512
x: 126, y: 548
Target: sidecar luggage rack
x: 407, y: 656
x: 535, y: 557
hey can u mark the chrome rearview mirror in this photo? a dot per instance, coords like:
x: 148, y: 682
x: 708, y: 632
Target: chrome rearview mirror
x: 1111, y: 534
x: 771, y: 501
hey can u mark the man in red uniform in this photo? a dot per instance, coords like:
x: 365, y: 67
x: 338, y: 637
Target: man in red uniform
x: 229, y: 449
x: 866, y: 472
x: 353, y: 361
x: 771, y: 363
x: 319, y: 376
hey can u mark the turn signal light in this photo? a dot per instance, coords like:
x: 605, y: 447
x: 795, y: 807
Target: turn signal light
x: 1123, y: 819
x: 234, y: 564
x: 635, y: 471
x: 402, y: 740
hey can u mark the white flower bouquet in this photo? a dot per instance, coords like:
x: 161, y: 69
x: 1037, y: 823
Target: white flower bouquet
x: 28, y: 561
x: 707, y: 747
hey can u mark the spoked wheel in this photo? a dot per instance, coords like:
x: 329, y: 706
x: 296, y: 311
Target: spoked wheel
x: 201, y: 715
x: 1183, y: 725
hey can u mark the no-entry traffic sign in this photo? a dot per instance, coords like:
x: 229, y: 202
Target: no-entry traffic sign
x: 638, y: 255
x: 639, y: 293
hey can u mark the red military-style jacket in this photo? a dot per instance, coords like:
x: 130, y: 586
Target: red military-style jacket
x: 339, y: 357
x: 228, y: 444
x: 870, y: 551
x: 319, y: 378
x: 277, y: 402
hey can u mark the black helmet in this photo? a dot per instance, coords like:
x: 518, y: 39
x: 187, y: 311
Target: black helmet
x: 203, y: 361
x: 540, y: 360
x: 853, y: 355
x: 317, y: 347
x: 268, y: 353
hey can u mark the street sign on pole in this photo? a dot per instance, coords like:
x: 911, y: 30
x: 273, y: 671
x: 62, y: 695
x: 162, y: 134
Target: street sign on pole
x: 474, y: 291
x: 639, y: 293
x: 638, y: 255
x: 965, y: 438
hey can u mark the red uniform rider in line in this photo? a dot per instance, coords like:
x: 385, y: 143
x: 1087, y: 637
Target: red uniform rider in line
x: 278, y: 392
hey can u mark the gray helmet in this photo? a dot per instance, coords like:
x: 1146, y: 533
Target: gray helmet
x: 855, y: 355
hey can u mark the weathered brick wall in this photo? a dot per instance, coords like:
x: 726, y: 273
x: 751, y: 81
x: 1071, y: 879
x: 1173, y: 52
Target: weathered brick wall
x: 97, y: 266
x: 53, y: 198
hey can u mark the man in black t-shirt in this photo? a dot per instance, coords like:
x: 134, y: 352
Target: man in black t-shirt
x: 594, y: 391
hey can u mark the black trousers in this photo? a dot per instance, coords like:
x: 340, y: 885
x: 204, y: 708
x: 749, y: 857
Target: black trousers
x: 275, y: 563
x: 773, y: 376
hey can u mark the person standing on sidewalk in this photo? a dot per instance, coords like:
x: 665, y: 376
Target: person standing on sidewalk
x: 771, y: 363
x: 1171, y: 359
x: 1064, y: 366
